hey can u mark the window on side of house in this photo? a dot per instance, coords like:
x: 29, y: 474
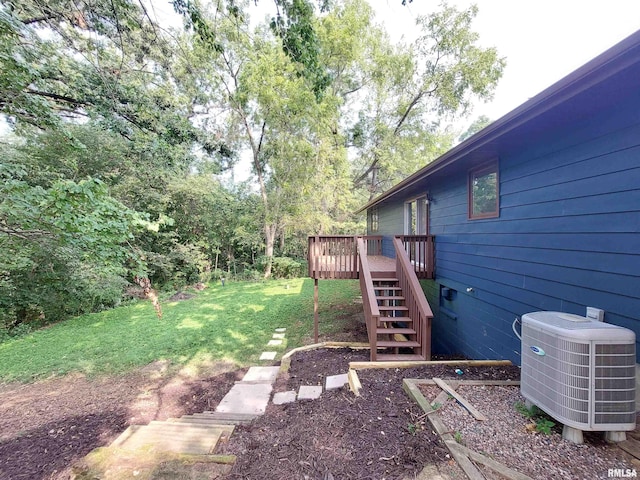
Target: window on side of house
x: 484, y: 191
x: 374, y: 223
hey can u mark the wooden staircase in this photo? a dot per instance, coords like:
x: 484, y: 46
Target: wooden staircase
x: 394, y: 329
x: 396, y: 311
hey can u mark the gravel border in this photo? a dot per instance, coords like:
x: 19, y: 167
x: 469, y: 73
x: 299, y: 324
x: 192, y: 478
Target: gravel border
x: 504, y: 437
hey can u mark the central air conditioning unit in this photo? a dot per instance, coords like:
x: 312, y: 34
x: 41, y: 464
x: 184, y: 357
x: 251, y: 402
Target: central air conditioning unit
x: 581, y: 372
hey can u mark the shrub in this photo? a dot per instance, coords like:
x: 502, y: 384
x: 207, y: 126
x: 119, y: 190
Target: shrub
x: 284, y: 267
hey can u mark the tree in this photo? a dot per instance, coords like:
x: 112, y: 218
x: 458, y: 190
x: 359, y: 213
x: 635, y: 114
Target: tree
x: 477, y: 125
x: 63, y: 248
x: 411, y: 89
x: 257, y: 96
x: 106, y: 61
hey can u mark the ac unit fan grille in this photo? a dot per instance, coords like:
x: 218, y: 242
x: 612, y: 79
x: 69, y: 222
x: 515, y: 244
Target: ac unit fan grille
x: 615, y: 380
x: 558, y: 380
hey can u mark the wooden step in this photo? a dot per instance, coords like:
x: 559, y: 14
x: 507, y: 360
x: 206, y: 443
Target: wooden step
x: 396, y: 320
x: 386, y: 308
x: 384, y: 287
x: 387, y: 297
x: 393, y: 331
x: 174, y: 437
x: 227, y: 418
x: 383, y: 279
x: 201, y: 420
x: 390, y: 357
x: 394, y: 343
x: 189, y: 420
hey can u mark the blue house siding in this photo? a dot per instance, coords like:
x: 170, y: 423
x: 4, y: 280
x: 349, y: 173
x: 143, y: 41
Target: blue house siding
x: 391, y: 223
x: 568, y: 237
x: 568, y: 231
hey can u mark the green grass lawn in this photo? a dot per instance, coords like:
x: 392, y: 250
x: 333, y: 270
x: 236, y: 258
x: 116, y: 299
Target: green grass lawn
x: 231, y: 323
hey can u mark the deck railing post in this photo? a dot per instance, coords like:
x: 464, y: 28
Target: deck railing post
x: 316, y: 318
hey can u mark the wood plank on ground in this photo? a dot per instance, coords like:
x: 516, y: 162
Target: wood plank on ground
x: 493, y: 465
x: 354, y: 382
x: 411, y: 388
x: 631, y: 446
x: 463, y: 455
x: 174, y: 437
x: 463, y: 401
x: 426, y: 363
x: 487, y: 383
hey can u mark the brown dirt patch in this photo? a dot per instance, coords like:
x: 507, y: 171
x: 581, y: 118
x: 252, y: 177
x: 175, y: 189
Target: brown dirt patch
x: 180, y: 296
x: 48, y: 425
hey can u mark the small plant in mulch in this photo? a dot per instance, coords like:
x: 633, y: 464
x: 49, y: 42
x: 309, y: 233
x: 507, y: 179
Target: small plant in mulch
x: 540, y: 421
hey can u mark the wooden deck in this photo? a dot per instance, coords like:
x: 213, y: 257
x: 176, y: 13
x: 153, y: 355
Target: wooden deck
x: 379, y: 264
x: 396, y: 311
x: 341, y: 266
x: 336, y: 257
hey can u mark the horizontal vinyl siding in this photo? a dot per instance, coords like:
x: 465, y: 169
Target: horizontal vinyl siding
x: 568, y: 236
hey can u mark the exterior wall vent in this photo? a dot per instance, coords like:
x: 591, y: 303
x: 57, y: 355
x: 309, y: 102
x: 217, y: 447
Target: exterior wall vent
x: 579, y: 371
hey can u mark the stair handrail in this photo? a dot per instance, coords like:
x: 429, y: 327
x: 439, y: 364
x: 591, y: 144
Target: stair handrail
x: 369, y: 302
x: 419, y: 309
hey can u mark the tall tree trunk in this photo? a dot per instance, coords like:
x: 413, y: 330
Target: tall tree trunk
x: 270, y: 240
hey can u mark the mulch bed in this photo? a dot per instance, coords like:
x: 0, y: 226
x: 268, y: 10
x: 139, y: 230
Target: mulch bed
x: 377, y: 435
x: 47, y: 426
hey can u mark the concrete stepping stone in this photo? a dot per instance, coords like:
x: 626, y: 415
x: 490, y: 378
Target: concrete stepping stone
x: 261, y: 375
x: 274, y: 343
x: 281, y: 398
x: 278, y: 336
x: 309, y: 392
x: 334, y: 382
x: 281, y: 330
x: 268, y: 355
x: 246, y: 398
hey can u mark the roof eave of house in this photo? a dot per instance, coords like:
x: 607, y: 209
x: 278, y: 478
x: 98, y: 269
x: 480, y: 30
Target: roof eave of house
x: 597, y: 70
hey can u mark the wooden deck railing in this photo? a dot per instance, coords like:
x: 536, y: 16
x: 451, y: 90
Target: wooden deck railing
x: 420, y: 250
x: 335, y: 256
x: 419, y: 309
x: 369, y: 301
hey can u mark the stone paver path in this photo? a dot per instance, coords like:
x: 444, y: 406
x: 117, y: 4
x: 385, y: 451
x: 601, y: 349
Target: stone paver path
x: 199, y: 434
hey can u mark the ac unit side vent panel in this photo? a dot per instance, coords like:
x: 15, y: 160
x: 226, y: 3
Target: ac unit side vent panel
x: 582, y: 375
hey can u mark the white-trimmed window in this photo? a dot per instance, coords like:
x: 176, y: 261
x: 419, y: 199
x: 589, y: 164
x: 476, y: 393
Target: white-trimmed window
x: 416, y: 212
x: 484, y: 191
x: 374, y: 220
